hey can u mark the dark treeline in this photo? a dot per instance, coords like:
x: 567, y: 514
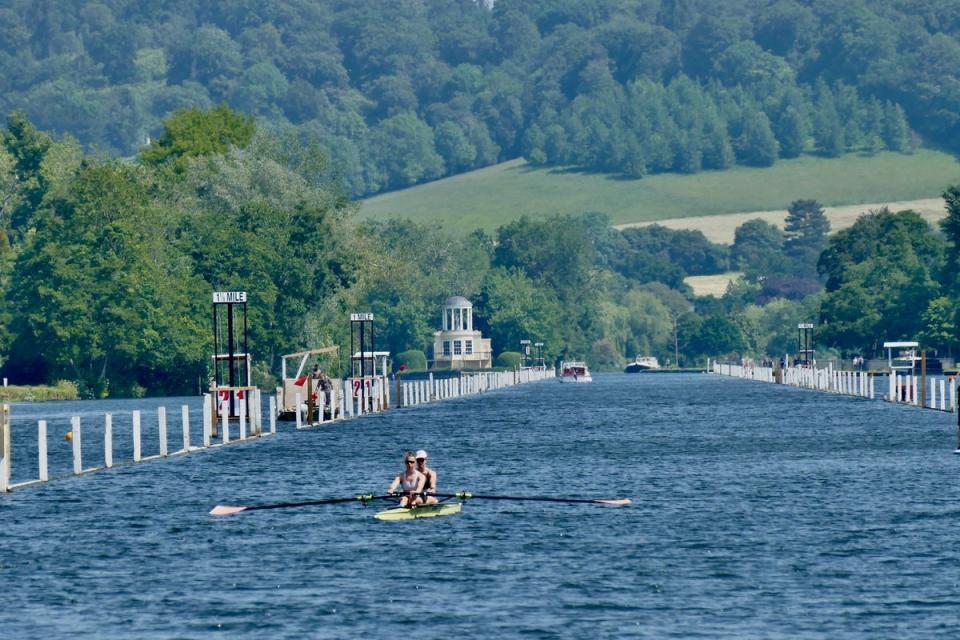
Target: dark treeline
x: 402, y: 92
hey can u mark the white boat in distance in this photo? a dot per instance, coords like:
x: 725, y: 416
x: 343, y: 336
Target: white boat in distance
x: 642, y: 363
x: 574, y: 372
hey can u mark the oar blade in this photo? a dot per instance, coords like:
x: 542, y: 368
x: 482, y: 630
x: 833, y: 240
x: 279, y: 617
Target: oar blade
x: 618, y: 502
x: 223, y: 510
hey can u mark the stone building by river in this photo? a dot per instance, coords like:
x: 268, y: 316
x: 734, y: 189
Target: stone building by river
x: 457, y: 345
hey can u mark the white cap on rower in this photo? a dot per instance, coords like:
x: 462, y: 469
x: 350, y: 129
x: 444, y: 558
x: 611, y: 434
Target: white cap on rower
x: 421, y: 454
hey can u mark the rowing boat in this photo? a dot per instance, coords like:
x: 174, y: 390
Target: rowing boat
x: 423, y: 511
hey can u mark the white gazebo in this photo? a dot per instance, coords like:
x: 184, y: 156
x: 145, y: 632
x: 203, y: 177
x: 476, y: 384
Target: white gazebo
x: 457, y: 345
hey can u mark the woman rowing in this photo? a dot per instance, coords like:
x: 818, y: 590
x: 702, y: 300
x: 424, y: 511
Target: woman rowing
x: 409, y: 481
x: 430, y: 478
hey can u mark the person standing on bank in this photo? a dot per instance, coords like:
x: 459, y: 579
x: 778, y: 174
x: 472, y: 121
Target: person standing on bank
x: 409, y: 481
x: 430, y: 484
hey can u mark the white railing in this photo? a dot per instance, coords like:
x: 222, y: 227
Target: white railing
x: 246, y: 428
x: 940, y: 394
x: 349, y: 404
x: 416, y: 392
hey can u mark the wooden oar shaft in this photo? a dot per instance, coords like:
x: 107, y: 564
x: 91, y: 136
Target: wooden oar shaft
x: 473, y: 496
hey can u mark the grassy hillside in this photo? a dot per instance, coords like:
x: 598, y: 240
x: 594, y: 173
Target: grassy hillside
x: 489, y: 197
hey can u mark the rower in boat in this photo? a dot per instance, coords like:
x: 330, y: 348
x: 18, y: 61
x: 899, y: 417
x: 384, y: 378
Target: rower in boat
x: 409, y: 481
x: 430, y: 484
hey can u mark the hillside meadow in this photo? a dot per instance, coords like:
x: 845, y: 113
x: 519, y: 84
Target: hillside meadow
x: 490, y: 197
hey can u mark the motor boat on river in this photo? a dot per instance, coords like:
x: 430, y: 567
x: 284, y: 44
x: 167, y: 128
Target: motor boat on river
x: 574, y: 372
x: 642, y: 363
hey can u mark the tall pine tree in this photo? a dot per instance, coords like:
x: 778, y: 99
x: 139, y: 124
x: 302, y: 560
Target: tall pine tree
x: 806, y: 232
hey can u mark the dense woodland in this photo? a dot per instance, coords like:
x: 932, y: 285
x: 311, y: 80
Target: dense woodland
x: 401, y: 92
x: 154, y: 153
x: 106, y: 268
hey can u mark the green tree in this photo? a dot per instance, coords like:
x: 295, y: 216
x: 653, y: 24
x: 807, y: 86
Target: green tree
x: 895, y: 131
x: 719, y: 336
x: 879, y: 274
x: 27, y: 147
x: 757, y: 248
x: 939, y: 325
x: 192, y: 133
x: 950, y: 225
x: 805, y: 233
x: 827, y: 130
x: 513, y: 307
x: 99, y: 298
x: 455, y: 148
x: 793, y: 129
x: 404, y: 148
x: 758, y: 146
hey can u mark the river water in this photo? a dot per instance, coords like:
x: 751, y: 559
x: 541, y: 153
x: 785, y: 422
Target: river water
x: 759, y: 511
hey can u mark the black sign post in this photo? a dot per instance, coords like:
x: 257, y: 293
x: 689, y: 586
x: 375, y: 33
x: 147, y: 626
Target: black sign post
x: 231, y: 361
x: 361, y: 327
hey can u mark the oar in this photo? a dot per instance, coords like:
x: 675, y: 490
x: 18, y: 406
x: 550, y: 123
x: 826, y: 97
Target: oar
x: 463, y: 495
x: 223, y: 510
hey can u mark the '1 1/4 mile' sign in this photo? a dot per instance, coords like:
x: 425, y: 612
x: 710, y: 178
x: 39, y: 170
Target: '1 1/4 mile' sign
x: 229, y: 297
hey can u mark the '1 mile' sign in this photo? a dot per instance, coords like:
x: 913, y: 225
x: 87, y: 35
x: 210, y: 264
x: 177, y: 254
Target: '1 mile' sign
x: 229, y: 297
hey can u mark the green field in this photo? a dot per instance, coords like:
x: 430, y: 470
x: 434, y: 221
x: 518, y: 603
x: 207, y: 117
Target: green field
x: 488, y: 197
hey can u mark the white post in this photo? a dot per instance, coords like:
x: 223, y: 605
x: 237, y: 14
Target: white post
x: 348, y: 396
x: 77, y: 450
x: 107, y: 441
x: 297, y: 400
x: 273, y: 414
x: 933, y: 394
x: 943, y: 395
x: 953, y: 397
x: 162, y: 427
x: 42, y: 450
x: 243, y: 415
x: 431, y: 392
x: 185, y: 418
x: 207, y: 419
x: 225, y: 424
x: 257, y: 417
x: 917, y: 390
x: 136, y: 436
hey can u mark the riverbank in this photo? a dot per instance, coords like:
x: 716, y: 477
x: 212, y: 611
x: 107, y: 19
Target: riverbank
x: 62, y: 390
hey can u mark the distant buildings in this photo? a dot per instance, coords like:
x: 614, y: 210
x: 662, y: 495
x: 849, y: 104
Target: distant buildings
x: 457, y: 345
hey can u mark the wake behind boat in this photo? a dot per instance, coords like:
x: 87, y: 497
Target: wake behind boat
x: 574, y: 372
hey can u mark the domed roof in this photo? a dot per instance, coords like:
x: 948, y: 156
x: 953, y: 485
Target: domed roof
x: 457, y: 301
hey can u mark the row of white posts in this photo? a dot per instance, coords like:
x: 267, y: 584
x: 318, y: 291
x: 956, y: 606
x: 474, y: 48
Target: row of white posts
x: 432, y: 389
x: 374, y: 392
x: 248, y: 426
x: 904, y: 389
x: 377, y: 395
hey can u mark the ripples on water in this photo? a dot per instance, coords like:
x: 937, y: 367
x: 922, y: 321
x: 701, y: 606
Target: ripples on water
x: 760, y: 511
